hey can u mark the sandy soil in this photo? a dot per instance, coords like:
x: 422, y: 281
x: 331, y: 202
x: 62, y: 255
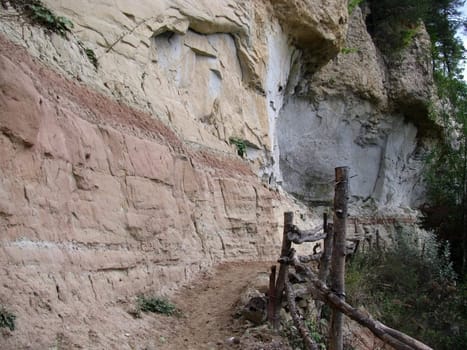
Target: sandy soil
x: 208, y: 306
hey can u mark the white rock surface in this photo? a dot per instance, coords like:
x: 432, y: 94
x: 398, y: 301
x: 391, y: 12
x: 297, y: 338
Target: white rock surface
x: 351, y: 114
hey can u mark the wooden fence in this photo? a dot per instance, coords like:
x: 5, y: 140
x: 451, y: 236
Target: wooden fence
x: 332, y: 267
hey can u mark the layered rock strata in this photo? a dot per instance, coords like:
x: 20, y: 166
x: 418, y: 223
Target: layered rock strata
x: 122, y: 179
x: 99, y: 202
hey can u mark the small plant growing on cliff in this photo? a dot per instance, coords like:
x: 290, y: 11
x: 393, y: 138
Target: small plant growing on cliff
x: 240, y: 145
x: 348, y: 50
x: 157, y: 305
x: 37, y: 13
x: 353, y: 4
x: 7, y: 319
x: 92, y: 57
x: 407, y: 36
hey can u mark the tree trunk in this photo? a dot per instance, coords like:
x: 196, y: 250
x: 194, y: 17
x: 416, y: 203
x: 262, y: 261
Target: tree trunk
x: 464, y: 209
x: 286, y: 245
x: 325, y: 260
x: 272, y: 294
x: 338, y: 254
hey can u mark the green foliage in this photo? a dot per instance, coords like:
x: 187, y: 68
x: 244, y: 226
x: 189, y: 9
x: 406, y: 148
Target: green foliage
x: 92, y: 57
x: 156, y: 304
x: 390, y: 20
x: 412, y: 287
x: 446, y: 170
x: 7, y: 319
x: 353, y: 4
x: 443, y: 20
x: 240, y: 144
x: 290, y: 332
x: 348, y: 50
x: 407, y: 36
x: 37, y: 13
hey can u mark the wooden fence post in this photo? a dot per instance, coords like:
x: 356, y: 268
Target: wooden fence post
x: 325, y: 260
x: 272, y: 295
x: 338, y: 254
x: 283, y: 269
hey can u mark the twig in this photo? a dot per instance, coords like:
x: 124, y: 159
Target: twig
x: 298, y: 322
x: 298, y: 236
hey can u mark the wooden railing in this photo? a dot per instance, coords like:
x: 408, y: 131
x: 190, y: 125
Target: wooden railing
x: 332, y: 264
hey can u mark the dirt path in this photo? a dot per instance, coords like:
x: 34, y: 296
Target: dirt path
x: 208, y: 306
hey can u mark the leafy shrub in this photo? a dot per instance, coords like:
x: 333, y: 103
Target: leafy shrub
x: 412, y: 287
x: 7, y: 319
x: 157, y: 305
x: 37, y: 13
x: 407, y: 36
x: 290, y: 332
x: 92, y: 57
x: 240, y: 144
x: 48, y: 19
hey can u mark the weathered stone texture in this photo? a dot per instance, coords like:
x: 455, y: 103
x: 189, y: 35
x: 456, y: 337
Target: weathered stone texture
x: 100, y: 204
x: 136, y: 187
x: 363, y: 112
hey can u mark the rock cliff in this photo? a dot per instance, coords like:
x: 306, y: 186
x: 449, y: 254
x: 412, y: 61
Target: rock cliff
x: 122, y: 179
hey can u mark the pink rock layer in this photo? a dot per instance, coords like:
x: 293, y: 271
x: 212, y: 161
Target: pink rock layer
x: 100, y: 202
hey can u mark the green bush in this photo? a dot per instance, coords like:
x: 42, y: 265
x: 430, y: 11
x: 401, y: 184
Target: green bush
x: 42, y: 15
x: 290, y: 332
x: 348, y: 50
x: 92, y: 57
x: 240, y: 144
x: 412, y: 287
x: 37, y: 13
x: 7, y: 319
x: 157, y: 305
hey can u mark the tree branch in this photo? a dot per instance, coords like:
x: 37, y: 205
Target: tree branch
x: 398, y: 340
x: 298, y: 236
x: 298, y: 322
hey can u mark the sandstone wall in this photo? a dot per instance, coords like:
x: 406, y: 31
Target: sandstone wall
x: 211, y: 69
x: 99, y: 202
x: 260, y: 71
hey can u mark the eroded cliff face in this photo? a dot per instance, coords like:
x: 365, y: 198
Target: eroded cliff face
x: 122, y: 180
x: 100, y: 202
x: 363, y: 111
